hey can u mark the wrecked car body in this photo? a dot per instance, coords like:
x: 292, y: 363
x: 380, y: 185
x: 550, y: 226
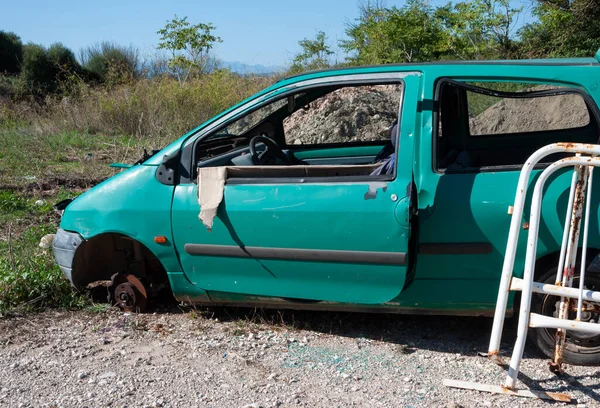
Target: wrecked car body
x: 373, y: 189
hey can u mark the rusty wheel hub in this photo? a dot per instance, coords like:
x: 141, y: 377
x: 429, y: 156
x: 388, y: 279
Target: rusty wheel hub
x: 129, y: 294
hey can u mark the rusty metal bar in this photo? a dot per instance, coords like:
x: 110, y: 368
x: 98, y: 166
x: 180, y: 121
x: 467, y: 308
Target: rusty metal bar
x: 568, y: 271
x: 497, y: 389
x: 538, y: 320
x: 565, y: 238
x: 586, y: 227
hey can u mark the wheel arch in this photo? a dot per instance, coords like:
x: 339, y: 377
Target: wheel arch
x: 108, y: 253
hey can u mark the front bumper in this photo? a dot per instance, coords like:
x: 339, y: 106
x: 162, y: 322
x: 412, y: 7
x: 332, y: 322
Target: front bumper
x: 65, y: 244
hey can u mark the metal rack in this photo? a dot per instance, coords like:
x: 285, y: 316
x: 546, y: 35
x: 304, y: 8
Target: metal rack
x: 584, y: 161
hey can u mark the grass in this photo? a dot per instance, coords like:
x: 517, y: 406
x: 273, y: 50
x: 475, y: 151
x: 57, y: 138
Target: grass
x: 153, y: 110
x: 27, y: 157
x: 36, y: 171
x: 28, y: 277
x: 62, y: 146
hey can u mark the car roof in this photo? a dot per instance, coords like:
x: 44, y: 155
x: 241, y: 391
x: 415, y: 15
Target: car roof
x: 424, y: 65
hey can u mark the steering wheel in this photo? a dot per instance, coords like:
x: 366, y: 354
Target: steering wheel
x: 270, y: 154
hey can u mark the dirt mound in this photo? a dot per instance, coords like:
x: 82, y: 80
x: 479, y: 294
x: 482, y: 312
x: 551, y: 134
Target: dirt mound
x: 511, y: 115
x: 348, y: 114
x: 367, y: 113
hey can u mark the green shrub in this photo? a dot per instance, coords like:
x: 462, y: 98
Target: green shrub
x: 45, y: 71
x: 11, y: 53
x: 36, y: 70
x: 63, y: 62
x: 12, y: 113
x: 28, y: 276
x: 11, y: 87
x: 111, y: 63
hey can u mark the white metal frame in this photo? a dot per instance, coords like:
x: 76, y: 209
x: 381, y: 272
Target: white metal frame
x: 583, y: 162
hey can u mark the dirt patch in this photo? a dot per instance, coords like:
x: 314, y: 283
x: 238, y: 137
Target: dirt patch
x: 72, y: 182
x: 174, y: 359
x: 49, y: 186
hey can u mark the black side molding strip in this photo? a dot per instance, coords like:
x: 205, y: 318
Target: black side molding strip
x: 296, y: 254
x: 456, y: 248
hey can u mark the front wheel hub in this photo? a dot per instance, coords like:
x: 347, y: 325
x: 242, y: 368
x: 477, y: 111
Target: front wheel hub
x: 130, y: 294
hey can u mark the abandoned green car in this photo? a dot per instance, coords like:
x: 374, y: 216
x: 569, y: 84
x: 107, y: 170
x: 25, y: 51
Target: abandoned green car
x: 380, y: 189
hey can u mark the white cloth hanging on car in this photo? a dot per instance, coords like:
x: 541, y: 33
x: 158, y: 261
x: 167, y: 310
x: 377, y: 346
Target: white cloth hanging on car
x: 211, y: 183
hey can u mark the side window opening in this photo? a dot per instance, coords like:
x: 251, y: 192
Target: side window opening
x: 350, y: 114
x: 500, y: 124
x: 495, y: 115
x: 330, y: 116
x: 236, y: 135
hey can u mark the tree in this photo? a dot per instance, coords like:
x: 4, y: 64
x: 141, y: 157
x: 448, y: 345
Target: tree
x: 390, y: 35
x: 314, y: 55
x: 471, y: 29
x: 11, y: 53
x: 565, y: 28
x: 480, y: 29
x: 189, y: 46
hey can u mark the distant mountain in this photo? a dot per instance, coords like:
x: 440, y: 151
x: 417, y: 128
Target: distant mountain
x: 257, y: 69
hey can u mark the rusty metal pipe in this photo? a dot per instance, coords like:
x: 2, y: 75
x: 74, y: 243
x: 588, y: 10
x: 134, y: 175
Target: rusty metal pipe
x: 568, y: 271
x: 565, y: 238
x: 538, y: 320
x: 586, y: 227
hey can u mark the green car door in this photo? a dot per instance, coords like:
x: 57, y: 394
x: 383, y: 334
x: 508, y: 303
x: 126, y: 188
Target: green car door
x: 338, y: 239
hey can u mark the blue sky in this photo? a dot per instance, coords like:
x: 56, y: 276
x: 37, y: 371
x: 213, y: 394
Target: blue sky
x: 262, y: 32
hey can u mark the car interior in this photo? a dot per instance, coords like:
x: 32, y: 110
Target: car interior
x: 457, y: 150
x: 260, y: 149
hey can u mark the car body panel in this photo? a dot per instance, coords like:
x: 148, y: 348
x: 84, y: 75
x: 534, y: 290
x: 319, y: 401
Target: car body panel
x: 463, y: 219
x: 299, y: 217
x: 132, y: 203
x: 305, y: 217
x: 474, y: 207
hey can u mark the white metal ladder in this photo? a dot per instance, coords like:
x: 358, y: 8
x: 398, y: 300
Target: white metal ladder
x: 583, y: 162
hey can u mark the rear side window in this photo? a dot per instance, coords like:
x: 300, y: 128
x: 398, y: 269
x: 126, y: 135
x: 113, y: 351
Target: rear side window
x: 495, y: 125
x: 497, y: 115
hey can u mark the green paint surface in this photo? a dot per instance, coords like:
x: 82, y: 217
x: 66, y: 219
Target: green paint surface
x: 452, y: 208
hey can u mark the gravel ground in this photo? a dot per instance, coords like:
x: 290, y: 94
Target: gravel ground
x: 239, y: 358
